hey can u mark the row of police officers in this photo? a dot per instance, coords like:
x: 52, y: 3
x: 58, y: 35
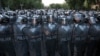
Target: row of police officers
x: 40, y: 34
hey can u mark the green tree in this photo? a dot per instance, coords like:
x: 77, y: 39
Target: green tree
x: 65, y: 6
x: 56, y: 6
x: 71, y: 3
x: 16, y: 4
x: 75, y: 4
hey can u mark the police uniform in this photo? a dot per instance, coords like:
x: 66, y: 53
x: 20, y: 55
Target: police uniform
x: 21, y: 46
x: 64, y: 37
x: 6, y: 37
x: 80, y: 35
x: 50, y: 36
x: 34, y: 34
x: 94, y: 38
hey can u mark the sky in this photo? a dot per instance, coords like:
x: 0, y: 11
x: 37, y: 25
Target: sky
x: 48, y: 2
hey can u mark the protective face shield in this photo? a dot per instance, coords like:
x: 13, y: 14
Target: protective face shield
x: 92, y: 20
x: 60, y: 18
x: 34, y: 21
x: 28, y: 14
x: 68, y: 12
x: 64, y: 21
x: 21, y: 20
x: 44, y: 18
x: 24, y: 21
x: 77, y: 17
x: 4, y: 20
x: 91, y: 13
x: 50, y: 19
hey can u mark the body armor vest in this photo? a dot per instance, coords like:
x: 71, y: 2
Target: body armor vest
x: 5, y: 32
x: 94, y: 31
x: 18, y: 29
x: 65, y: 32
x: 80, y: 31
x: 34, y: 32
x: 50, y: 30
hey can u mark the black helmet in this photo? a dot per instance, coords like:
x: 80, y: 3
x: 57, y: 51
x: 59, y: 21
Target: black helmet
x: 22, y: 20
x: 35, y: 20
x: 92, y: 20
x: 4, y: 20
x: 61, y: 19
x: 78, y: 17
x: 50, y: 18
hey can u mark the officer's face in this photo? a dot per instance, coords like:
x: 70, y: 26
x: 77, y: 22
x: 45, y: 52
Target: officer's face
x: 50, y: 20
x: 90, y: 22
x: 34, y: 21
x: 77, y: 20
x: 63, y: 21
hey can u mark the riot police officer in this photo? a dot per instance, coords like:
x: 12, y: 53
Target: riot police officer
x: 12, y: 16
x: 98, y: 41
x: 34, y: 34
x: 80, y: 35
x: 64, y: 37
x: 6, y: 44
x: 44, y: 18
x: 94, y: 32
x: 69, y: 18
x: 21, y: 46
x: 50, y: 36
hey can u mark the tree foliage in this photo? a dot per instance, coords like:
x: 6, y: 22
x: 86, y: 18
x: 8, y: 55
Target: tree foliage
x: 70, y: 4
x: 17, y: 4
x: 59, y: 6
x: 75, y: 4
x: 80, y: 4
